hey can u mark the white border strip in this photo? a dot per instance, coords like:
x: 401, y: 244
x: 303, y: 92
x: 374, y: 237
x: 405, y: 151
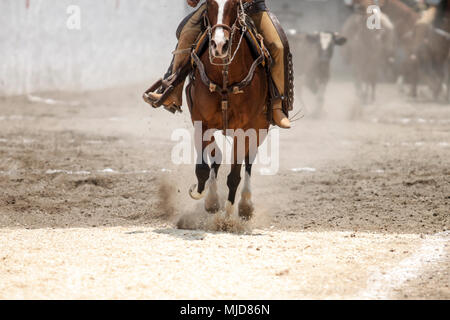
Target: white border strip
x: 382, y: 285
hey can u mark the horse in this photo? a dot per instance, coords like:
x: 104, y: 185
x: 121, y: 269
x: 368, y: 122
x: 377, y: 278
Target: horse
x: 430, y: 50
x: 425, y: 48
x: 228, y: 91
x: 404, y: 19
x: 368, y: 52
x: 403, y: 16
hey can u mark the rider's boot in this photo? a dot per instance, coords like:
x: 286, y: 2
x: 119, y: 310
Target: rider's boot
x: 188, y: 36
x: 174, y: 99
x: 279, y: 117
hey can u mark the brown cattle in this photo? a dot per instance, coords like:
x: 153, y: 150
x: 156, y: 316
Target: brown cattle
x: 368, y: 52
x: 313, y: 53
x: 430, y: 52
x: 404, y: 19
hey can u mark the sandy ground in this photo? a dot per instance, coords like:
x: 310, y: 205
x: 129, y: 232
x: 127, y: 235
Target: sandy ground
x: 90, y: 203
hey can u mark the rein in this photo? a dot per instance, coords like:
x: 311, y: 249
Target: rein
x: 225, y: 89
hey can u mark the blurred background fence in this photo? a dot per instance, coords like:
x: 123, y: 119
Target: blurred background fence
x: 120, y: 41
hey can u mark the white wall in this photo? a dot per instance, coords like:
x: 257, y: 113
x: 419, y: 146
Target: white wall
x: 120, y: 42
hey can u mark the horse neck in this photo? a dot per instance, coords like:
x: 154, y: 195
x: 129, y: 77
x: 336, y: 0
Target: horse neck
x: 402, y: 16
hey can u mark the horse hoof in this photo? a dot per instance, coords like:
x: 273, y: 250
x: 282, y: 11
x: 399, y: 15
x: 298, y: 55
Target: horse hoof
x: 212, y: 208
x: 212, y: 204
x: 195, y: 194
x: 229, y: 208
x: 246, y: 210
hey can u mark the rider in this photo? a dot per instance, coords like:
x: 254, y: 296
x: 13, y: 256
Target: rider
x: 265, y: 26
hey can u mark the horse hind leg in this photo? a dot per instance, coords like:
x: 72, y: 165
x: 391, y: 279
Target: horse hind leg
x: 246, y: 207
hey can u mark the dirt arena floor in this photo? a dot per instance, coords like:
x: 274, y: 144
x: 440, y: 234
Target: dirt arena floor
x: 91, y: 205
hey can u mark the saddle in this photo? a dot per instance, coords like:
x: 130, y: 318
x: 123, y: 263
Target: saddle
x: 255, y: 41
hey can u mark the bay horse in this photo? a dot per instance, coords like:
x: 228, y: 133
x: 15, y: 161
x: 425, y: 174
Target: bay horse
x: 229, y: 92
x: 426, y: 49
x: 367, y: 52
x: 431, y: 46
x: 404, y: 19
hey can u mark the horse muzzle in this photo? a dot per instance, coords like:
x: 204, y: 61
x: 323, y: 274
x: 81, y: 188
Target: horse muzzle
x: 220, y: 48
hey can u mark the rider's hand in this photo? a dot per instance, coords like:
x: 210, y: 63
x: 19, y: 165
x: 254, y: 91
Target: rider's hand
x: 193, y: 3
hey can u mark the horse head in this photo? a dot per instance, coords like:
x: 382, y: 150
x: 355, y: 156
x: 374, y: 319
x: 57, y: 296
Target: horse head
x: 222, y: 19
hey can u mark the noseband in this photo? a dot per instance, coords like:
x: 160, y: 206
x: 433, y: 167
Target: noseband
x: 224, y: 26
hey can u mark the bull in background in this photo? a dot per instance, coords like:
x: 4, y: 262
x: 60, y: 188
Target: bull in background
x: 314, y: 52
x: 430, y: 50
x: 422, y: 40
x: 369, y: 53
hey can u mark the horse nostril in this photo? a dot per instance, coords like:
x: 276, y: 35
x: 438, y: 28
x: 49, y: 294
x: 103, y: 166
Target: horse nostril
x: 225, y: 46
x: 214, y: 44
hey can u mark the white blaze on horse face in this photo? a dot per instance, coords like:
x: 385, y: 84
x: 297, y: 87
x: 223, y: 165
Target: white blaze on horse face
x: 325, y: 40
x: 219, y: 34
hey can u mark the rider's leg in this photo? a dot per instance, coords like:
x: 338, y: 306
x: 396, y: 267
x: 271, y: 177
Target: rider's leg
x: 273, y: 42
x: 188, y: 36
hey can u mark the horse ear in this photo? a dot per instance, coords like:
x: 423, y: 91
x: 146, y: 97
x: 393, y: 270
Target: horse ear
x: 339, y: 40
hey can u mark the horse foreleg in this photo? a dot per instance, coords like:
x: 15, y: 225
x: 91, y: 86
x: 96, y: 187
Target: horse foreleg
x: 233, y: 181
x: 246, y: 207
x: 234, y: 178
x: 212, y: 204
x: 202, y: 169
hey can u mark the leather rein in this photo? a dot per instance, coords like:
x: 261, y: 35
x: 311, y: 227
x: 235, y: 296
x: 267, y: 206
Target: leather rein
x: 226, y: 89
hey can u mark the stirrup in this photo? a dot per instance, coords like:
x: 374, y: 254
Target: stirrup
x: 164, y: 87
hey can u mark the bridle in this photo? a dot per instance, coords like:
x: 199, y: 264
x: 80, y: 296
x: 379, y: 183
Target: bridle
x: 238, y: 25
